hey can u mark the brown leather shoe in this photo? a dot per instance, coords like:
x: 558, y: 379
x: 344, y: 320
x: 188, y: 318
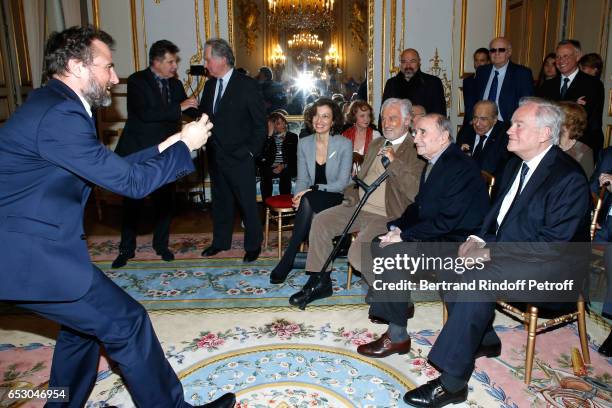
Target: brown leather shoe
x: 383, y: 347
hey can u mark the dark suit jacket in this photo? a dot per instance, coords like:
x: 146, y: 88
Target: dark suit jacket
x: 150, y: 121
x: 604, y: 165
x: 289, y: 149
x: 518, y: 82
x: 469, y: 92
x: 239, y: 126
x: 450, y: 205
x: 495, y: 154
x: 422, y: 89
x: 582, y: 85
x: 50, y: 156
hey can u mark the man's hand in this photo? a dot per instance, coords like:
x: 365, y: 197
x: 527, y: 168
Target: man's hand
x: 473, y: 249
x: 270, y: 128
x: 189, y: 103
x: 278, y: 168
x: 581, y: 101
x: 605, y: 179
x: 391, y: 237
x: 466, y: 148
x: 297, y: 198
x: 196, y: 133
x: 388, y: 152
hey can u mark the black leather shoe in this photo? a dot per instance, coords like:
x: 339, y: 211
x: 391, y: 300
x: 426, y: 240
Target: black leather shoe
x: 279, y: 274
x: 383, y: 347
x: 165, y: 254
x: 317, y: 287
x: 251, y: 256
x: 122, y: 259
x: 606, y: 348
x: 432, y: 394
x: 226, y: 401
x: 489, y: 351
x: 211, y: 250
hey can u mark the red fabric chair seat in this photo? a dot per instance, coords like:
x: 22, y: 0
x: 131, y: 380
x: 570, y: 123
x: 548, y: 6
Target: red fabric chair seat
x: 280, y: 201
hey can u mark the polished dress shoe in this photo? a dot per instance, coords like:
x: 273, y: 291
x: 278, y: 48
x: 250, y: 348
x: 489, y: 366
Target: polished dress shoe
x: 122, y: 259
x: 489, y: 351
x: 383, y: 347
x: 318, y: 286
x: 225, y: 401
x: 251, y: 256
x: 432, y: 394
x: 606, y: 348
x: 165, y: 254
x: 211, y: 251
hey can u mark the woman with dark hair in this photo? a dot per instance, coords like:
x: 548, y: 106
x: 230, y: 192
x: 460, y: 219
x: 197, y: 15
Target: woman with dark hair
x: 324, y: 170
x: 548, y: 69
x: 571, y: 130
x: 360, y: 133
x: 591, y: 64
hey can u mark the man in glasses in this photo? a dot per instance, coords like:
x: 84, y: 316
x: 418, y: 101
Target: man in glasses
x: 502, y: 81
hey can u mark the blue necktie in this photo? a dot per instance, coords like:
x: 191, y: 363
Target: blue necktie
x: 564, y: 87
x: 164, y: 91
x: 493, y: 90
x: 216, y: 105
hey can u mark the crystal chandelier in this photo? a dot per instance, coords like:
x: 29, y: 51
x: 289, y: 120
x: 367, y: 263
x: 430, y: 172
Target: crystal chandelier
x: 301, y: 15
x: 305, y: 41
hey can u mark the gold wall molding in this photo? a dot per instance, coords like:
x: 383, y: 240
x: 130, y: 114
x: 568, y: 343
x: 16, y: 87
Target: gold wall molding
x: 358, y: 24
x: 498, y: 18
x: 144, y: 28
x: 95, y: 13
x: 248, y: 20
x: 134, y: 35
x: 20, y: 43
x: 207, y: 18
x: 217, y: 32
x: 197, y: 57
x: 571, y: 18
x: 383, y: 44
x: 437, y: 70
x: 370, y: 87
x: 498, y: 30
x: 230, y: 22
x: 393, y: 30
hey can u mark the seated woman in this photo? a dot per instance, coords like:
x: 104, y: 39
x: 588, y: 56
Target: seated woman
x: 571, y: 130
x: 324, y: 170
x: 360, y: 133
x: 278, y: 159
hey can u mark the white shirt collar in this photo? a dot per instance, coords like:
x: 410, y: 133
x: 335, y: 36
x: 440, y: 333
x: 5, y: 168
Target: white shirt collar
x: 85, y: 105
x: 399, y: 140
x: 534, y: 162
x: 570, y: 76
x: 227, y: 77
x: 501, y: 70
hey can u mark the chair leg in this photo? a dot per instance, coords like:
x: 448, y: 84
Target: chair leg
x: 582, y: 331
x: 531, y: 339
x: 267, y: 227
x: 280, y: 234
x: 444, y: 313
x: 349, y: 276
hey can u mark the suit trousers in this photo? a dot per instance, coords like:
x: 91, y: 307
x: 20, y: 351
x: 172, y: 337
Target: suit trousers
x: 109, y: 317
x: 330, y: 223
x: 163, y: 207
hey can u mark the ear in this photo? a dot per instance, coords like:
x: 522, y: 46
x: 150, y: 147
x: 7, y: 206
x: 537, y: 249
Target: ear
x: 76, y: 67
x: 545, y: 134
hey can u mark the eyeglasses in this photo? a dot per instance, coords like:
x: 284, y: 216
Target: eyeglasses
x: 494, y: 50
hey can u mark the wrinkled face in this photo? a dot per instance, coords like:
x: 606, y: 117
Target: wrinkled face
x: 409, y: 63
x: 567, y: 59
x: 394, y: 125
x: 101, y: 76
x: 429, y: 140
x: 501, y: 51
x: 166, y: 66
x: 363, y: 118
x: 217, y: 66
x: 525, y: 138
x: 323, y: 119
x: 480, y: 59
x: 280, y: 126
x: 484, y: 119
x: 550, y: 69
x: 417, y: 112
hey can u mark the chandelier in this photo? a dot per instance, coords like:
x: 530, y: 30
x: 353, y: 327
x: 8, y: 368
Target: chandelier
x: 305, y: 41
x: 301, y: 15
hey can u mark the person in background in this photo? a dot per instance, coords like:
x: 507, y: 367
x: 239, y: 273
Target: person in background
x: 324, y: 170
x: 470, y: 97
x: 591, y: 64
x: 417, y: 112
x: 548, y: 70
x: 360, y: 133
x: 572, y: 129
x: 279, y: 157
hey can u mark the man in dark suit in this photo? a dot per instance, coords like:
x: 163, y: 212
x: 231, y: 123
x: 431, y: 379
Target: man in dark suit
x: 411, y: 83
x: 574, y: 85
x: 50, y: 157
x: 543, y: 203
x: 481, y: 57
x: 502, y: 81
x: 451, y: 204
x: 155, y: 101
x: 486, y: 140
x: 235, y: 105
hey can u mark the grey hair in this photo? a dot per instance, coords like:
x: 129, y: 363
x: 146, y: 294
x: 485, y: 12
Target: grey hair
x: 442, y: 123
x: 574, y: 43
x: 548, y: 114
x: 221, y: 48
x: 492, y: 104
x: 404, y: 104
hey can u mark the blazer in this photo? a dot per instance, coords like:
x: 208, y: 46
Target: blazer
x: 150, y: 121
x: 450, y: 205
x: 469, y: 92
x: 289, y: 151
x: 495, y: 154
x: 422, y: 89
x: 604, y: 165
x: 239, y: 130
x: 593, y: 91
x: 337, y: 167
x: 50, y: 156
x: 518, y: 82
x: 402, y: 185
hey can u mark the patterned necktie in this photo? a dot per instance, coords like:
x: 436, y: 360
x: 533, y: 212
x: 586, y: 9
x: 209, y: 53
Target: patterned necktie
x: 384, y: 159
x: 216, y: 105
x: 493, y: 90
x: 164, y: 91
x: 564, y: 87
x: 479, y: 146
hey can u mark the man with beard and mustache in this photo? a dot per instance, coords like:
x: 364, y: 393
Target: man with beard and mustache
x: 155, y: 102
x: 411, y: 83
x: 50, y: 157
